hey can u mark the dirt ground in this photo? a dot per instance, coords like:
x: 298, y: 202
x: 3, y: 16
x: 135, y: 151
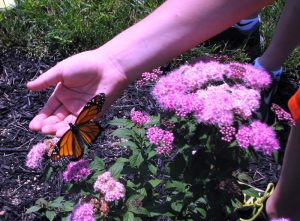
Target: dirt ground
x: 20, y: 186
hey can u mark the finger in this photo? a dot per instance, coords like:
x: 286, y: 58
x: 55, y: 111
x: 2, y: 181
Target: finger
x: 49, y: 109
x: 47, y: 79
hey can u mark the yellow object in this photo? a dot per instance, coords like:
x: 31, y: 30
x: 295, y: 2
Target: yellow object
x: 257, y: 203
x: 7, y: 4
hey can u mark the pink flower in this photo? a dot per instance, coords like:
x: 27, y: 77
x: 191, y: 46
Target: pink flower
x: 149, y: 77
x: 82, y: 212
x: 252, y: 77
x: 280, y: 219
x: 200, y: 89
x: 109, y: 187
x: 77, y: 171
x: 227, y: 132
x: 35, y: 155
x: 258, y: 135
x: 162, y: 139
x: 283, y: 115
x: 139, y: 118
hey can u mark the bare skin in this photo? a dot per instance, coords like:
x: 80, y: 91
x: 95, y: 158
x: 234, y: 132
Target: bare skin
x: 175, y: 27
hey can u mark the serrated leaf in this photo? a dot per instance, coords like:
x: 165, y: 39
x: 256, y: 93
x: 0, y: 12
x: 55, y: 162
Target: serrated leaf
x: 118, y: 122
x: 129, y: 216
x: 178, y: 186
x: 116, y: 169
x: 152, y: 169
x: 33, y: 209
x: 67, y: 206
x: 136, y: 160
x: 129, y: 144
x: 176, y: 206
x: 123, y: 133
x: 154, y: 182
x: 97, y: 164
x: 151, y: 154
x: 50, y: 214
x: 48, y: 173
x: 58, y: 199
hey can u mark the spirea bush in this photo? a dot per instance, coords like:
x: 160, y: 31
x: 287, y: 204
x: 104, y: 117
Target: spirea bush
x: 181, y: 164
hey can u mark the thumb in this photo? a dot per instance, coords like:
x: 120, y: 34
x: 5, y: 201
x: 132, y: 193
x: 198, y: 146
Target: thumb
x: 47, y: 79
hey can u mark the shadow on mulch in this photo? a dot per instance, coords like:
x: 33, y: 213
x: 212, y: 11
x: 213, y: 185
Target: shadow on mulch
x: 20, y: 187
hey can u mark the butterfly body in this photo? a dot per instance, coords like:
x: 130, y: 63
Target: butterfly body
x: 81, y: 134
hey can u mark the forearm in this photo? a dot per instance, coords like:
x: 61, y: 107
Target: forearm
x: 173, y: 28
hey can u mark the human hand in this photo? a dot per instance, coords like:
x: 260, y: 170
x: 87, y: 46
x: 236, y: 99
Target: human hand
x: 77, y: 79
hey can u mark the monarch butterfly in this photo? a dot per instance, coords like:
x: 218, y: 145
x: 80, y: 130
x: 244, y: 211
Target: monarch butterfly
x: 82, y: 133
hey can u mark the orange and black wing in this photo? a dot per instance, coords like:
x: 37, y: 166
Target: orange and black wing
x: 89, y: 132
x: 91, y: 109
x: 67, y: 147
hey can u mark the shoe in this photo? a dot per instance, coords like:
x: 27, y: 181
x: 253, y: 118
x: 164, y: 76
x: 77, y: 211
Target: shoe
x: 254, y: 204
x: 268, y: 94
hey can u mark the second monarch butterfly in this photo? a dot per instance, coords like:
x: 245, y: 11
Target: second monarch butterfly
x: 82, y: 133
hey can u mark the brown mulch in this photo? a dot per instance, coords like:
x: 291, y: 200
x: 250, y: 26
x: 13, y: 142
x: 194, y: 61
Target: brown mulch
x: 20, y: 186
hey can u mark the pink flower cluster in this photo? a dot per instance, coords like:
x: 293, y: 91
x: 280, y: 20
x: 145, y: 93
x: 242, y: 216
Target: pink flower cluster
x: 77, y: 171
x: 35, y: 155
x: 149, y: 77
x: 82, y: 212
x: 162, y: 139
x: 228, y: 133
x: 280, y: 219
x: 258, y: 135
x: 201, y: 90
x: 283, y: 115
x: 139, y: 118
x: 109, y: 187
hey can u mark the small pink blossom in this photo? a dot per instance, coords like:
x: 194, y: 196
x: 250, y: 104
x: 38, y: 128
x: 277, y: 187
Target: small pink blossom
x: 139, y: 118
x: 258, y: 135
x: 149, y: 77
x: 162, y: 139
x: 280, y: 219
x: 77, y: 171
x: 109, y: 187
x: 35, y: 155
x: 282, y: 115
x: 228, y: 133
x: 82, y: 212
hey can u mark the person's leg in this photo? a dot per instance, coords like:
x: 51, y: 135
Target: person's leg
x: 285, y: 200
x: 285, y: 38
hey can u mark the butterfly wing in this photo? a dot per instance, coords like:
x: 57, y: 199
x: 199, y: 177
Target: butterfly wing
x: 89, y: 131
x: 82, y: 133
x: 91, y: 109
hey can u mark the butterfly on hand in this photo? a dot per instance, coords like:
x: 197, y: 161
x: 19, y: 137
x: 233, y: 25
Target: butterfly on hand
x: 81, y: 134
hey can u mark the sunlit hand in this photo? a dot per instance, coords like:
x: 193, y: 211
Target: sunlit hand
x: 77, y: 79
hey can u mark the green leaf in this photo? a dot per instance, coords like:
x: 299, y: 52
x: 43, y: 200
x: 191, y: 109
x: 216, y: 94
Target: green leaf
x: 134, y: 204
x: 50, y: 214
x: 250, y: 192
x: 129, y: 216
x: 97, y: 164
x: 176, y: 206
x: 48, y: 173
x: 129, y: 144
x: 177, y: 185
x: 244, y: 177
x: 152, y: 169
x: 154, y: 182
x: 136, y: 160
x: 58, y: 199
x: 123, y: 133
x: 119, y: 122
x: 33, y: 209
x: 151, y: 154
x: 116, y: 169
x: 67, y: 206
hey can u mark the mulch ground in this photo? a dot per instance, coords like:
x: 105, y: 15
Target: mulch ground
x: 20, y: 186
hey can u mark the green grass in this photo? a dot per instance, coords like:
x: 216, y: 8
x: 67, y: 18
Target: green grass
x: 47, y: 27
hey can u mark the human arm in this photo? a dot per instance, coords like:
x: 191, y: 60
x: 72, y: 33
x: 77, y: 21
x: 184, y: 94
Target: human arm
x: 176, y: 26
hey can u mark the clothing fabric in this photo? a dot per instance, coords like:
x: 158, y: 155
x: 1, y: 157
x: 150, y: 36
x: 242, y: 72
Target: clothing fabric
x: 294, y: 106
